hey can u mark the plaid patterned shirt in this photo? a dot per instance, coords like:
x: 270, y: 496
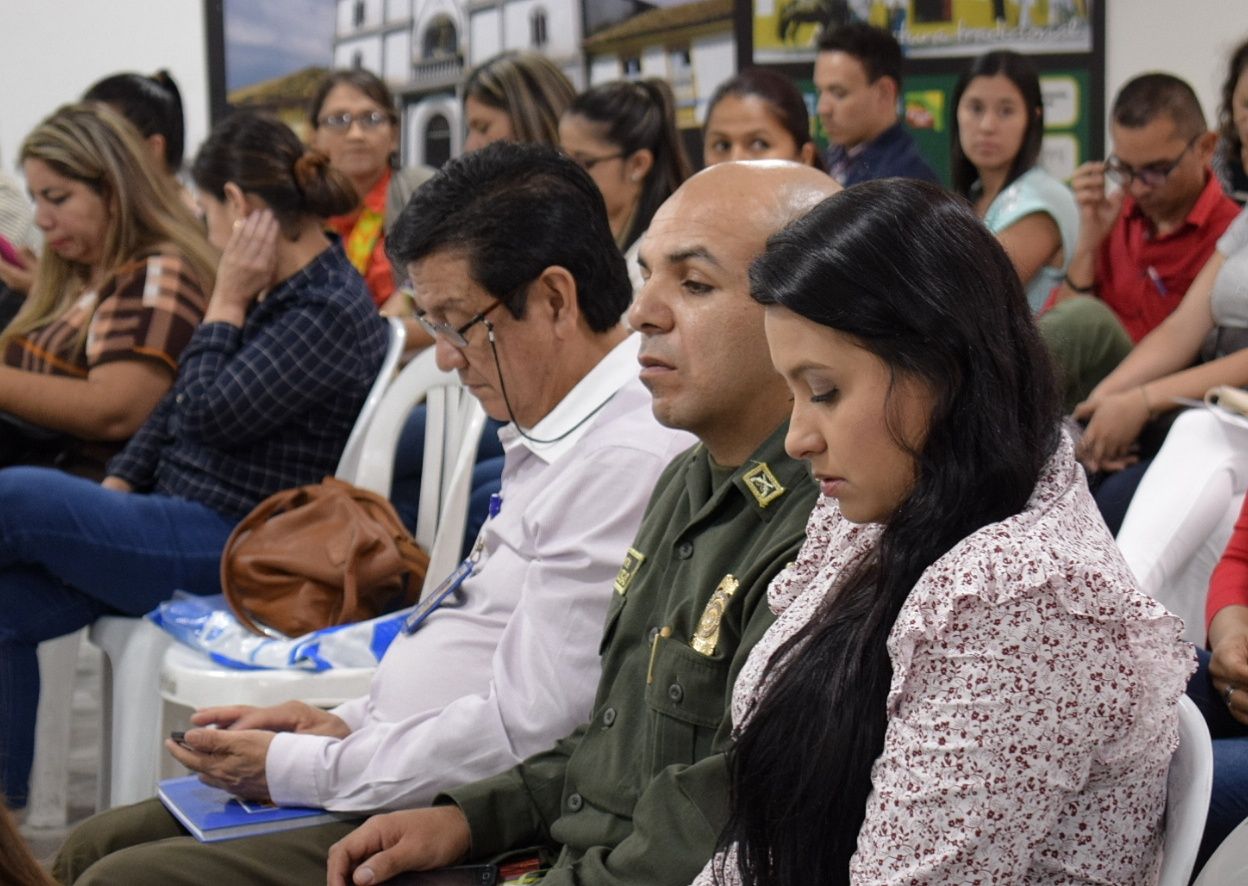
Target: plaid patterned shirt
x: 267, y: 406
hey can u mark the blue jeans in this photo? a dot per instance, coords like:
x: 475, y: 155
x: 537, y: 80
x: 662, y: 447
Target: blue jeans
x: 71, y: 551
x: 1229, y: 804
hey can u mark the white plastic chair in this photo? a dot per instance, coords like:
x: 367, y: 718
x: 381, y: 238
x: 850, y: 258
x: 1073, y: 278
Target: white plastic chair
x: 133, y: 650
x: 453, y: 428
x: 1188, y: 786
x: 1229, y: 863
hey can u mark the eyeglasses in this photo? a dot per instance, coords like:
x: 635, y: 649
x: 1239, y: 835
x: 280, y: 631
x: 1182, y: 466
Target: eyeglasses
x: 343, y: 121
x: 454, y: 337
x: 1151, y: 176
x: 588, y: 163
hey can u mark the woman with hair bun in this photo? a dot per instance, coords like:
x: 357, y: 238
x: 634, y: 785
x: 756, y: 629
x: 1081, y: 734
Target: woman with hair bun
x: 267, y: 393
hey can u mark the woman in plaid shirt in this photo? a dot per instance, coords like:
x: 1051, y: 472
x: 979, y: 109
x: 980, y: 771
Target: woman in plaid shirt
x: 265, y: 397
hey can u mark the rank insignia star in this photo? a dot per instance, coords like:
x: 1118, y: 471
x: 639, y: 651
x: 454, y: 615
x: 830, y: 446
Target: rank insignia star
x: 763, y: 484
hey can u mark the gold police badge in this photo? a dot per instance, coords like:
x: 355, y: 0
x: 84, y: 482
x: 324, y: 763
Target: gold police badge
x: 706, y: 637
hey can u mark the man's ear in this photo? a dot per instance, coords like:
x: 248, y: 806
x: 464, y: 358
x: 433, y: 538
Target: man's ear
x: 554, y: 294
x: 889, y: 90
x: 1205, y: 146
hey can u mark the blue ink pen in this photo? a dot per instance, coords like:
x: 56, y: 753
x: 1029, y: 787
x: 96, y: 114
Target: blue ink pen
x: 1157, y: 281
x: 431, y: 600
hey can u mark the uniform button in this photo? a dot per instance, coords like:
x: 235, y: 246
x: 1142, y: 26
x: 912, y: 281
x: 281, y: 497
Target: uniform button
x: 181, y: 398
x: 684, y: 550
x: 675, y: 692
x: 575, y: 802
x: 608, y: 716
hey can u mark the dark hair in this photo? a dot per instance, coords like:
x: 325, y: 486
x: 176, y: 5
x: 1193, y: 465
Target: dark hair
x: 781, y: 96
x: 633, y: 116
x: 875, y: 48
x: 1020, y: 71
x: 1148, y: 96
x: 529, y: 88
x: 264, y: 157
x: 514, y: 210
x: 1226, y: 119
x: 372, y: 86
x: 153, y: 104
x: 911, y: 275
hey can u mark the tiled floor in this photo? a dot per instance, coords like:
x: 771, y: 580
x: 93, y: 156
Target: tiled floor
x: 84, y: 755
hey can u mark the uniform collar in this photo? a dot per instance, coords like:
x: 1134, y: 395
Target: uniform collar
x: 762, y: 481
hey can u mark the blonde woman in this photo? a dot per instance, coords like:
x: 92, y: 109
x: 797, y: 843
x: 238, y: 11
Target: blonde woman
x: 121, y: 286
x: 515, y: 96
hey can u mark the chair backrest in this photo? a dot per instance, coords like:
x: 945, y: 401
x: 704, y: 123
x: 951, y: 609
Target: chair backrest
x: 453, y: 424
x: 348, y: 464
x: 1188, y: 786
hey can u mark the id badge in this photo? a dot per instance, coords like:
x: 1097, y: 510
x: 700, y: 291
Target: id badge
x: 432, y: 600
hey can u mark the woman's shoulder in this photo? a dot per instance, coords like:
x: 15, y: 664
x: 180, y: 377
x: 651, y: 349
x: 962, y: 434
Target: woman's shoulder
x: 161, y: 266
x: 1055, y: 558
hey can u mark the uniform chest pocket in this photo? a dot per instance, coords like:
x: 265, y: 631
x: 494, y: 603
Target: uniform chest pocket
x: 687, y: 702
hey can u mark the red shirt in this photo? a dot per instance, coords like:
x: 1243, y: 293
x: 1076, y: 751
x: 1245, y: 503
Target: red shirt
x: 1143, y: 277
x: 1229, y: 584
x: 378, y: 275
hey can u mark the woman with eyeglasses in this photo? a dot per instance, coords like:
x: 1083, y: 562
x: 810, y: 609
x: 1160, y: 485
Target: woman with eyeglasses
x: 996, y: 130
x: 624, y: 135
x: 353, y: 122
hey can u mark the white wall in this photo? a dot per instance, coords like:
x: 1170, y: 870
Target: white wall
x: 52, y: 50
x: 1190, y: 39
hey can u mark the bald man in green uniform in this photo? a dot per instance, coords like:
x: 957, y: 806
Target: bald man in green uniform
x: 638, y: 795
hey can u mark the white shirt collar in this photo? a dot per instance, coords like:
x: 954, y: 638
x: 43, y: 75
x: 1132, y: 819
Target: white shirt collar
x: 616, y: 369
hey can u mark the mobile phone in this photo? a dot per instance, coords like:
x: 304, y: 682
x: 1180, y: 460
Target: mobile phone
x: 463, y: 875
x: 179, y: 736
x: 10, y: 253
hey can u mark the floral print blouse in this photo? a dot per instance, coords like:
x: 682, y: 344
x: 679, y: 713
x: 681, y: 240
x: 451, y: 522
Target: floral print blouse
x: 1032, y: 711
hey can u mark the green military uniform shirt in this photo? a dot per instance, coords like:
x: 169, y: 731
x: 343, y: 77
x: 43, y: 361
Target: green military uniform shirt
x: 639, y: 794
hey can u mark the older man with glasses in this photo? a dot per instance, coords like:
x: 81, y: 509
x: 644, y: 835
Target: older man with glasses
x: 1150, y: 216
x: 516, y: 276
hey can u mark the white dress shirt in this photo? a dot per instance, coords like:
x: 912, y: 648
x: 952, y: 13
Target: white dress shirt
x: 513, y: 665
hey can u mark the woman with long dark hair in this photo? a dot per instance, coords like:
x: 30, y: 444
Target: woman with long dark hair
x: 996, y: 131
x: 962, y: 684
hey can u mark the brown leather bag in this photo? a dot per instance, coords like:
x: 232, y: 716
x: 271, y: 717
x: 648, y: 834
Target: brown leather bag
x: 319, y: 555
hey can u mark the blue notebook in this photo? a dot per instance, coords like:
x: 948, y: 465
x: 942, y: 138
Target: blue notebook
x: 212, y: 814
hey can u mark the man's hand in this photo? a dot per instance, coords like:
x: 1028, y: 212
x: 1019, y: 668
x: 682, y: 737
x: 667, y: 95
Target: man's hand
x: 290, y: 716
x: 1114, y: 424
x: 1099, y: 207
x: 385, y: 845
x: 227, y: 759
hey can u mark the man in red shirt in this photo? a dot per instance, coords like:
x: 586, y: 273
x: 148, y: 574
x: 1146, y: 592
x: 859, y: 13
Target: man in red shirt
x: 1150, y: 216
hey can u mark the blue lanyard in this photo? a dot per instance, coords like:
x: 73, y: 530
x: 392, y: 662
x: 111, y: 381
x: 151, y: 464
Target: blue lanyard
x: 431, y: 600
